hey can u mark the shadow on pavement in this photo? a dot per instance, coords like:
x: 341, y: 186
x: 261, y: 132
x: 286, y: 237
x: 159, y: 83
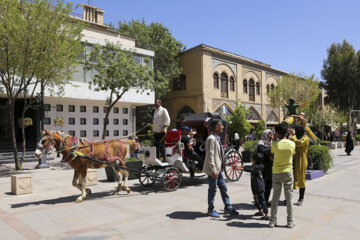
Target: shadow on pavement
x: 68, y: 199
x: 183, y: 215
x: 244, y: 206
x: 248, y: 225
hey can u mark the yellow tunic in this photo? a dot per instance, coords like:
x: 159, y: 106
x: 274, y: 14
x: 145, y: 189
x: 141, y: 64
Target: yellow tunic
x: 300, y: 161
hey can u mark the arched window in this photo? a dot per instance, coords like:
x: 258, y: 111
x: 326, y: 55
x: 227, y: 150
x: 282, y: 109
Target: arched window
x: 253, y: 115
x: 224, y: 85
x: 182, y: 114
x: 232, y: 84
x: 251, y: 90
x: 224, y: 111
x: 257, y: 88
x: 245, y: 86
x: 216, y: 80
x: 267, y: 88
x: 272, y: 86
x: 272, y: 117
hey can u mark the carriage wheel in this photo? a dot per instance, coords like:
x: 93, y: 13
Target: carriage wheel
x: 145, y: 179
x: 171, y: 179
x: 232, y: 160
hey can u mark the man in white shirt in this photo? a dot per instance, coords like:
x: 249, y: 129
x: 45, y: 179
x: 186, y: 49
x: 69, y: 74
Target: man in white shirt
x: 160, y: 124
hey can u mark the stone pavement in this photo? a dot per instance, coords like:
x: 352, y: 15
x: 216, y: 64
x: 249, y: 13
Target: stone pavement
x: 330, y: 210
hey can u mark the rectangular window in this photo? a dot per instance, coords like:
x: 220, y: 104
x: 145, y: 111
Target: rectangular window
x: 71, y: 121
x: 47, y: 107
x: 95, y: 121
x: 179, y: 83
x: 116, y: 133
x: 82, y: 133
x: 125, y: 122
x: 95, y: 109
x: 96, y: 133
x: 107, y: 133
x: 82, y: 121
x: 116, y: 110
x: 106, y: 109
x: 59, y: 107
x: 71, y: 108
x: 107, y: 121
x: 72, y: 133
x: 224, y: 88
x: 47, y: 121
x: 125, y: 132
x: 125, y: 110
x: 116, y: 121
x: 82, y: 108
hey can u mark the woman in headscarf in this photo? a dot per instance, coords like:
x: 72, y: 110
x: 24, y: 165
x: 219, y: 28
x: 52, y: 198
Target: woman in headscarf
x: 349, y: 145
x: 300, y: 160
x: 264, y: 147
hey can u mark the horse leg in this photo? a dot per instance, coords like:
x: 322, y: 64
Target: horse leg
x: 82, y: 182
x: 75, y: 179
x: 119, y: 175
x: 126, y: 176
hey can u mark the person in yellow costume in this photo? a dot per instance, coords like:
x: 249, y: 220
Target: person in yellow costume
x: 300, y: 160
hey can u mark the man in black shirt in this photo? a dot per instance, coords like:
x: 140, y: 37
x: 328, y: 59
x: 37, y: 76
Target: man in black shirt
x: 189, y: 150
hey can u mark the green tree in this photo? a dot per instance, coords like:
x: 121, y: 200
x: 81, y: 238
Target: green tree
x: 237, y: 122
x: 117, y: 71
x: 39, y: 44
x: 302, y: 88
x: 158, y: 38
x: 341, y: 72
x: 260, y: 128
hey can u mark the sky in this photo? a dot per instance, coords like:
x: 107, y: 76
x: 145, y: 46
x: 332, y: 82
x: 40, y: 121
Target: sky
x: 290, y: 35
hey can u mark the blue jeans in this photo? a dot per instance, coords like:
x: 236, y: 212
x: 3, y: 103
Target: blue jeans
x: 219, y: 181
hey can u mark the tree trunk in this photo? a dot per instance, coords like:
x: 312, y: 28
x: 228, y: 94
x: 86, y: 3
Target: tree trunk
x: 23, y: 139
x: 349, y: 123
x: 12, y: 122
x: 105, y: 122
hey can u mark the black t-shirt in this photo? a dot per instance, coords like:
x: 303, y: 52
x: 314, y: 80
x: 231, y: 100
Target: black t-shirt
x: 186, y: 140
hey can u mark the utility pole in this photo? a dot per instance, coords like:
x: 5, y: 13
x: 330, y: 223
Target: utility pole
x: 42, y: 160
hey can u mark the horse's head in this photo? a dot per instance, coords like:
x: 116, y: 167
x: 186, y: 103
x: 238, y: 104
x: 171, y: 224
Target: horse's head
x: 46, y: 143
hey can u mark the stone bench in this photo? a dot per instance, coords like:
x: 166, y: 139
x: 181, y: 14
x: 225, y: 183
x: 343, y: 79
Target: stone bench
x: 331, y: 145
x: 91, y: 177
x: 21, y: 184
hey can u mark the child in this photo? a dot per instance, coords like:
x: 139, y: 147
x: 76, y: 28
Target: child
x: 257, y: 184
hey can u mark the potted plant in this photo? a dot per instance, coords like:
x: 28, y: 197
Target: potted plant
x: 131, y: 163
x: 59, y: 122
x: 27, y: 122
x: 249, y: 150
x: 321, y: 157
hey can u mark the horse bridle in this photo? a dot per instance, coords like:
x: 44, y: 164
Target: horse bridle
x: 52, y: 144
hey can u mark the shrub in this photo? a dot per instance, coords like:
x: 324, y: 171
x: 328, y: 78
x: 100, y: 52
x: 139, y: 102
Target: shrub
x: 250, y: 146
x: 323, y: 142
x: 321, y: 157
x: 357, y: 137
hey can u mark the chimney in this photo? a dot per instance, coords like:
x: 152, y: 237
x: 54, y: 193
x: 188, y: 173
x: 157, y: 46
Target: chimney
x: 93, y: 14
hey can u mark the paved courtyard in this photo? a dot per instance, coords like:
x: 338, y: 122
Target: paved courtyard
x: 331, y: 209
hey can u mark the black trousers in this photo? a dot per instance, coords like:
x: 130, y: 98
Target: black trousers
x: 159, y: 142
x: 194, y: 156
x: 260, y: 202
x: 268, y: 187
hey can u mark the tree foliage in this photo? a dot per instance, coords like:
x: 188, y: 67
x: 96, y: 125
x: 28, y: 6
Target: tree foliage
x: 116, y: 71
x: 158, y: 38
x: 300, y: 87
x: 341, y: 72
x: 237, y: 122
x: 260, y: 128
x: 39, y: 43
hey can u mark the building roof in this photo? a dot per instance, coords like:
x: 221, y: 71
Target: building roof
x: 231, y: 55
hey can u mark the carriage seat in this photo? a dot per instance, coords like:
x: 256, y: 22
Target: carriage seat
x: 172, y: 137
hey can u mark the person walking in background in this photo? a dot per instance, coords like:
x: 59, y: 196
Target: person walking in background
x: 283, y: 150
x: 264, y: 147
x: 300, y: 160
x: 212, y: 167
x: 349, y: 145
x: 160, y: 124
x: 337, y: 135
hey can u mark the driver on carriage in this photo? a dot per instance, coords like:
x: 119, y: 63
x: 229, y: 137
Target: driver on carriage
x: 189, y: 153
